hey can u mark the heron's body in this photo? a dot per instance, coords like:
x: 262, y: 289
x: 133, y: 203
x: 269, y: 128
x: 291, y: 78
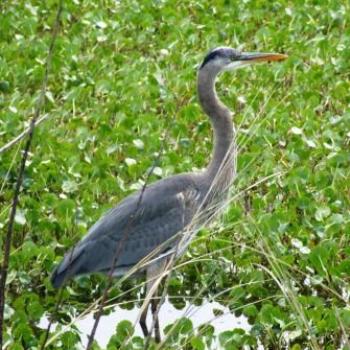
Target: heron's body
x: 153, y: 222
x: 138, y: 225
x: 141, y: 224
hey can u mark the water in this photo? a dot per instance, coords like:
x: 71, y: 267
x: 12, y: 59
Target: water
x: 168, y: 314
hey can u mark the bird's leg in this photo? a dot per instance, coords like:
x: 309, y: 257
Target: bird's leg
x: 154, y: 308
x: 143, y: 317
x: 143, y: 322
x: 153, y: 280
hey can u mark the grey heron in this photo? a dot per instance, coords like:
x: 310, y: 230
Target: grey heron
x: 152, y: 220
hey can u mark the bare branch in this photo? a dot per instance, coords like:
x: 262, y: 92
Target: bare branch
x: 39, y: 104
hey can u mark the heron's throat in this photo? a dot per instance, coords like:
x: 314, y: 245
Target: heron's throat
x: 223, y: 159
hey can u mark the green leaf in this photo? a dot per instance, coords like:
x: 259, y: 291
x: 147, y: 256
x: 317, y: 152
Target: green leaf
x: 69, y: 186
x: 124, y: 330
x: 20, y: 218
x: 322, y: 213
x: 197, y: 343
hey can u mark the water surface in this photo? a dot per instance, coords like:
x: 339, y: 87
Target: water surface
x: 168, y: 314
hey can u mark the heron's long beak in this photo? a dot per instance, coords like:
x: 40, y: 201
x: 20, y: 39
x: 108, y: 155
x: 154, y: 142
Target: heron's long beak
x: 251, y: 57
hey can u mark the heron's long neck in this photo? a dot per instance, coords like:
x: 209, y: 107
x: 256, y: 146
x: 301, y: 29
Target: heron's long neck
x: 223, y: 159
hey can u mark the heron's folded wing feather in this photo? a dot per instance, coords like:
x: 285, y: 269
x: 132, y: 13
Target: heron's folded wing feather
x: 131, y: 231
x: 134, y: 232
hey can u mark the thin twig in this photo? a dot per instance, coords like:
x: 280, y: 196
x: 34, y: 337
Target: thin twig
x: 40, y: 103
x: 21, y: 135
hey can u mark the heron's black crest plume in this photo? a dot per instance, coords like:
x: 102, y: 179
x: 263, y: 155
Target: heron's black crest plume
x: 211, y: 55
x: 224, y: 52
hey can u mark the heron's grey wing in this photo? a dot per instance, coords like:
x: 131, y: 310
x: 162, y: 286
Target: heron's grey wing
x: 130, y: 232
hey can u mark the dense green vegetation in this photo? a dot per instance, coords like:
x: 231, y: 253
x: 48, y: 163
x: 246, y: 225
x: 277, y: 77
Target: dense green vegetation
x: 122, y: 95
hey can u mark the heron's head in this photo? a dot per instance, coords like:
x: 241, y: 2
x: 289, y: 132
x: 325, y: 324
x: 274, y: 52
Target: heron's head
x: 226, y: 58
